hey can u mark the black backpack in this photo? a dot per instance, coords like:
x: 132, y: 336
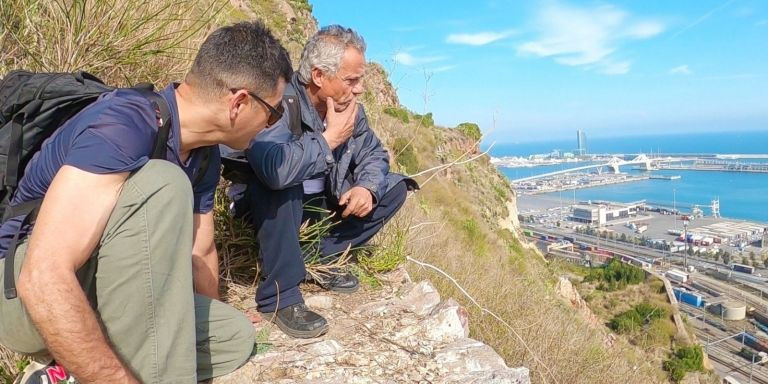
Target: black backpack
x: 32, y: 107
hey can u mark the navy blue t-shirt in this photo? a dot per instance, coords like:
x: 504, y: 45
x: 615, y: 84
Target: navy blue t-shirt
x: 114, y: 134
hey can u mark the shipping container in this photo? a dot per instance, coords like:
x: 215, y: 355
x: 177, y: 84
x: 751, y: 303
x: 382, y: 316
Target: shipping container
x: 689, y: 298
x: 677, y: 276
x: 743, y: 268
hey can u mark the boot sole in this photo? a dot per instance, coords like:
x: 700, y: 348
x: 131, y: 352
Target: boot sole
x: 296, y: 333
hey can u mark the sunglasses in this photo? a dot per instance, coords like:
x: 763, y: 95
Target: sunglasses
x: 275, y: 113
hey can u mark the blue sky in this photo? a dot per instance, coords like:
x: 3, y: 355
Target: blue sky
x: 538, y: 70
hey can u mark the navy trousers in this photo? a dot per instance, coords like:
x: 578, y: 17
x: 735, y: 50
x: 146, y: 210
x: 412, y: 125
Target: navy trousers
x: 277, y: 215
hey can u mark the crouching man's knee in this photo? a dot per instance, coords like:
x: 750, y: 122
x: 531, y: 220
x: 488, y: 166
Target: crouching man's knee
x: 225, y: 343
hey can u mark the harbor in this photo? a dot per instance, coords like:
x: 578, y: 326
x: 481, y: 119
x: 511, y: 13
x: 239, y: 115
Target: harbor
x: 717, y: 165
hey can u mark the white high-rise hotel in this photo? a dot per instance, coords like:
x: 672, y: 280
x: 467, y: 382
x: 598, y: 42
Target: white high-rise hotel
x: 581, y: 140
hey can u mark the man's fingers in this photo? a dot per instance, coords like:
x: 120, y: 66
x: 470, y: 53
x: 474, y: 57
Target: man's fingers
x: 329, y: 105
x: 355, y: 205
x: 347, y: 211
x: 344, y: 199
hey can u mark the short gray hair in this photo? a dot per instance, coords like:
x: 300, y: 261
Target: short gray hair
x: 326, y: 48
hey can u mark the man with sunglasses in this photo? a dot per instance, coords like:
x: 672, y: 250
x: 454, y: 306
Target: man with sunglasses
x: 118, y: 280
x: 334, y: 161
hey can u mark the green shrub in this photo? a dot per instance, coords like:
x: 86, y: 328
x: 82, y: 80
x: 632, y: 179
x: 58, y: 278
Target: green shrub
x: 475, y: 236
x: 470, y: 130
x: 405, y: 156
x: 391, y: 250
x: 424, y: 120
x: 616, y: 275
x: 398, y: 113
x: 634, y: 319
x: 684, y: 360
x: 502, y: 192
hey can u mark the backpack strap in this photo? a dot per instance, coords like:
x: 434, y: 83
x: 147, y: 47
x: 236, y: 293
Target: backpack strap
x: 9, y: 273
x: 11, y: 180
x: 164, y: 119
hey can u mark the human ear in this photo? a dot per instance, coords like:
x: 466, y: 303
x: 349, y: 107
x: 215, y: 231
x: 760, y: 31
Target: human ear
x: 318, y: 77
x: 237, y: 102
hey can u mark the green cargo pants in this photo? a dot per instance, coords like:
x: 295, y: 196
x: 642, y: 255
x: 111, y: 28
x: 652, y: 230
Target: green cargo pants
x: 139, y: 280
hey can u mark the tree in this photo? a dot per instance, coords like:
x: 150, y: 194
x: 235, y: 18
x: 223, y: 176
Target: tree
x: 726, y: 258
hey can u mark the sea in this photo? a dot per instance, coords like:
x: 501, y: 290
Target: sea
x: 742, y: 195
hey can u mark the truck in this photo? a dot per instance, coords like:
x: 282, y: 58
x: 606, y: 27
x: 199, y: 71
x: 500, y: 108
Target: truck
x: 743, y: 268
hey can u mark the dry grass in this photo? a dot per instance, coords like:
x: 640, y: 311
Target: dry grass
x: 120, y: 41
x: 454, y: 226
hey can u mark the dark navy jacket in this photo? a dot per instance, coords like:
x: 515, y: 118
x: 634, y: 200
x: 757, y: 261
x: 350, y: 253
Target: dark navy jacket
x: 282, y: 159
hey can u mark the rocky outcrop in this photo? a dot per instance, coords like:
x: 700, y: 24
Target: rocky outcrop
x: 567, y: 291
x: 399, y: 333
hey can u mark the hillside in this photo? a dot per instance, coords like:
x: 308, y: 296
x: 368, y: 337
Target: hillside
x: 463, y: 222
x: 459, y: 231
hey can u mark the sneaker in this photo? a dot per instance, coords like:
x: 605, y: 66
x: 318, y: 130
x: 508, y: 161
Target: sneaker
x: 51, y: 373
x: 299, y: 321
x: 338, y: 282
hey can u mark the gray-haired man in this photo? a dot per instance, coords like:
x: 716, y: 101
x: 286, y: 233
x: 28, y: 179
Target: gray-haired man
x: 335, y: 162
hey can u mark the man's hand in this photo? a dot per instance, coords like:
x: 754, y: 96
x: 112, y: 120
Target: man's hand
x: 358, y: 202
x: 339, y: 125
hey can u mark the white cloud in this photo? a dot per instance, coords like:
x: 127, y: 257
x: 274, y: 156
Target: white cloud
x: 681, y: 70
x: 481, y: 38
x: 645, y: 29
x: 406, y: 58
x: 614, y: 68
x: 588, y: 37
x: 761, y: 23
